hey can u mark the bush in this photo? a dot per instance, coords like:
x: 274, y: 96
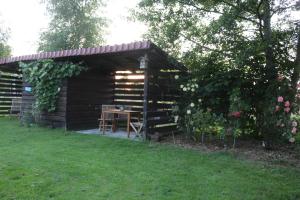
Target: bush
x: 200, y: 111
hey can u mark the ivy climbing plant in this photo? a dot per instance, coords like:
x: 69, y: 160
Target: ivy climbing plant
x: 46, y: 78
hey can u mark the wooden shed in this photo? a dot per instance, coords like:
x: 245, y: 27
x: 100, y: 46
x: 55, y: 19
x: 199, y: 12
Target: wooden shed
x: 138, y: 74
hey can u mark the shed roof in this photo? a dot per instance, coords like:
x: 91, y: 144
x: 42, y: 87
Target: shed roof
x: 118, y: 48
x: 110, y: 55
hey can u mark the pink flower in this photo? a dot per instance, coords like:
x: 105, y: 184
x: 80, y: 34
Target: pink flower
x: 280, y: 99
x: 294, y: 124
x: 294, y: 130
x: 277, y: 108
x: 238, y: 114
x: 287, y: 104
x: 235, y: 114
x: 287, y: 109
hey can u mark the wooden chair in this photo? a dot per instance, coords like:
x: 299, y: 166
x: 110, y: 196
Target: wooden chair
x: 109, y: 118
x: 137, y: 127
x: 15, y: 108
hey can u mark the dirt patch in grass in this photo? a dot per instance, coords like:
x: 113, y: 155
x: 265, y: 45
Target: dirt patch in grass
x: 283, y: 154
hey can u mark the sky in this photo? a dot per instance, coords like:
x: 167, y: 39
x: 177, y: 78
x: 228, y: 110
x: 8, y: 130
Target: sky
x: 26, y: 19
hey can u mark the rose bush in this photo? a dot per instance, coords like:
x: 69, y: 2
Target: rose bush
x: 199, y: 112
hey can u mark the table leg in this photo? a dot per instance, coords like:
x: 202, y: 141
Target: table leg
x: 103, y: 123
x: 100, y: 123
x: 128, y: 124
x: 114, y: 124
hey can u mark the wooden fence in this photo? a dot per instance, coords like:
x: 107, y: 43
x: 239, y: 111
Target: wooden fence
x: 162, y: 96
x: 10, y: 88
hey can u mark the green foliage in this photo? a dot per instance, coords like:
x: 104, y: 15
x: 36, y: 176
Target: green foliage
x: 219, y: 107
x: 46, y: 77
x: 207, y: 122
x: 74, y: 24
x: 229, y: 47
x: 193, y: 116
x: 5, y: 49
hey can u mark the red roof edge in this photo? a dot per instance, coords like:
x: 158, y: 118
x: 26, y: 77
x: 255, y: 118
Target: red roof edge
x: 140, y: 45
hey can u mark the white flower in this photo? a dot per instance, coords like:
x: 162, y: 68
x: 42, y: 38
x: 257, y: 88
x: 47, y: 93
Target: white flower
x: 184, y: 89
x: 193, y: 90
x: 176, y: 118
x: 196, y: 85
x: 199, y: 100
x: 181, y: 86
x: 188, y: 112
x: 192, y: 105
x: 176, y: 77
x: 294, y: 124
x: 292, y: 140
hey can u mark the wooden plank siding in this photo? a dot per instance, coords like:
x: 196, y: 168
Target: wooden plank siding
x: 86, y: 94
x: 162, y: 96
x: 129, y: 88
x: 10, y: 88
x: 55, y: 119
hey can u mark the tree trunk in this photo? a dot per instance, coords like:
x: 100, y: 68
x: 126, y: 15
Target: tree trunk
x: 271, y: 72
x: 296, y: 72
x: 270, y: 65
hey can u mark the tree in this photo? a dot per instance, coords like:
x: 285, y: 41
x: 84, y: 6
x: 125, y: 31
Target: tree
x: 237, y: 41
x: 74, y: 24
x: 5, y: 49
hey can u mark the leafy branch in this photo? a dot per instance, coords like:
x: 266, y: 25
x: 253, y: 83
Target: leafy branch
x: 46, y: 77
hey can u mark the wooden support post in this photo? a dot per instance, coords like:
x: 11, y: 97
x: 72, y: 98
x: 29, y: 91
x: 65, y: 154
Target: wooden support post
x: 144, y: 61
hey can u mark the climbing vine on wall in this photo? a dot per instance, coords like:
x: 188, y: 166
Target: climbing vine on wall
x: 46, y: 77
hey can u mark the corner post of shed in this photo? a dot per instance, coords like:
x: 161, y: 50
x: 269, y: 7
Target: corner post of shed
x: 144, y: 64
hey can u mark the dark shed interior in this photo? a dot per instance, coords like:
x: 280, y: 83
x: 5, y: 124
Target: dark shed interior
x: 137, y: 74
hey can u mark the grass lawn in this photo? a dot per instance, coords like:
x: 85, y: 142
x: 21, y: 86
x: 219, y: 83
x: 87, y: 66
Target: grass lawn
x: 39, y: 163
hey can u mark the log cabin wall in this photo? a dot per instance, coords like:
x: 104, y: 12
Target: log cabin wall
x: 129, y: 88
x: 55, y: 119
x: 163, y: 92
x: 10, y: 88
x: 86, y: 94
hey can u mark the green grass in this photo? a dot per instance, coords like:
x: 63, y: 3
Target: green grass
x: 39, y: 163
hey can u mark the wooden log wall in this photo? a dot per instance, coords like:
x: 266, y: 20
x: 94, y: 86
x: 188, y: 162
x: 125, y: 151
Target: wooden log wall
x: 55, y: 119
x: 10, y: 88
x: 86, y: 94
x: 162, y: 96
x: 129, y: 88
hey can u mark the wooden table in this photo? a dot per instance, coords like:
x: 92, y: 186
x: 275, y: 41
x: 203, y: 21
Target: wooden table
x: 128, y: 113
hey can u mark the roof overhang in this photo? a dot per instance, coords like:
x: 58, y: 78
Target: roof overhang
x: 109, y: 55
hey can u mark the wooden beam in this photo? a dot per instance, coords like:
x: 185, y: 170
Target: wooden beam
x: 144, y: 61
